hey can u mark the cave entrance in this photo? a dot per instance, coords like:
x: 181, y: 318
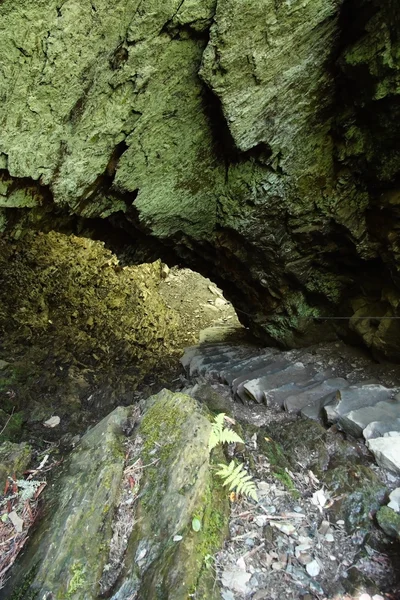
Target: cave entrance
x: 84, y: 329
x: 204, y: 312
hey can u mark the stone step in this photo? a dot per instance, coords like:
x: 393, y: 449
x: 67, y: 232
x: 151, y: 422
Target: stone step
x: 277, y: 396
x: 196, y: 358
x: 355, y: 397
x: 386, y: 451
x: 276, y: 377
x: 356, y: 421
x: 201, y: 364
x: 247, y: 368
x: 314, y: 396
x: 377, y: 429
x: 268, y: 368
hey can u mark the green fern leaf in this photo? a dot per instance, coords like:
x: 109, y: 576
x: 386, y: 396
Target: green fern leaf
x: 236, y: 477
x: 221, y: 435
x: 216, y: 431
x: 233, y: 477
x: 226, y: 470
x: 230, y: 437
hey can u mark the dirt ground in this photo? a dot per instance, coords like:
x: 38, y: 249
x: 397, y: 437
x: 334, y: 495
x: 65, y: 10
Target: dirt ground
x: 198, y: 301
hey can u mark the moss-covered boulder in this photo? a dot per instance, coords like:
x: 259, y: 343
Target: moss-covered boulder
x: 178, y: 487
x: 389, y: 521
x: 147, y: 527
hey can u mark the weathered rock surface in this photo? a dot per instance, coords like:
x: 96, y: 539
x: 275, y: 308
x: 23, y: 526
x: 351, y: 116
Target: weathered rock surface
x: 259, y: 144
x: 389, y: 521
x: 126, y: 530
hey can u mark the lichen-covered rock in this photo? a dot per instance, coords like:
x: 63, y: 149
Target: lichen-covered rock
x: 161, y: 555
x: 14, y: 459
x: 178, y: 486
x: 69, y: 551
x: 389, y: 521
x: 260, y: 144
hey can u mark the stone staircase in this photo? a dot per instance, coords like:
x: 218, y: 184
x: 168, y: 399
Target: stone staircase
x: 305, y: 383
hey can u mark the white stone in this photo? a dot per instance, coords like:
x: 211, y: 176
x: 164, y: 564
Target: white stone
x: 387, y: 452
x: 313, y: 568
x: 52, y: 422
x: 394, y: 498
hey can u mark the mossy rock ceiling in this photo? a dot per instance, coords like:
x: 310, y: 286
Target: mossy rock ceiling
x: 261, y: 145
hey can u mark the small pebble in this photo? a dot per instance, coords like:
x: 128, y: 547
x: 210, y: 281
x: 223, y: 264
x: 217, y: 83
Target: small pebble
x: 329, y: 538
x: 340, y: 523
x: 324, y: 527
x: 313, y: 568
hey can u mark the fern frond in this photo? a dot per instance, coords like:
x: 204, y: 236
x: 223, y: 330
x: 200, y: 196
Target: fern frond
x: 216, y: 431
x: 222, y: 435
x: 230, y: 437
x: 236, y: 477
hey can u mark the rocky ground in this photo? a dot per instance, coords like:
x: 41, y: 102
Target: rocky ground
x: 313, y: 533
x: 320, y: 528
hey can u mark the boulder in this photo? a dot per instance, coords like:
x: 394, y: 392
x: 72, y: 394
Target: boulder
x: 119, y: 518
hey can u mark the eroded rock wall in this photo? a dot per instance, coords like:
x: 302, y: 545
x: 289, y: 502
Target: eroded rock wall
x: 259, y: 141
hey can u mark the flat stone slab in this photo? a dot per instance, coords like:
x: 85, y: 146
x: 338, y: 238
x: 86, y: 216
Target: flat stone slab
x: 277, y: 396
x: 248, y: 365
x: 200, y: 365
x: 379, y: 428
x: 268, y: 368
x: 357, y: 420
x: 313, y: 395
x: 355, y: 397
x: 386, y: 451
x: 293, y: 373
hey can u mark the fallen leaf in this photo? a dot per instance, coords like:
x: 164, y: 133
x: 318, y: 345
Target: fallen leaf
x: 235, y: 580
x: 196, y: 524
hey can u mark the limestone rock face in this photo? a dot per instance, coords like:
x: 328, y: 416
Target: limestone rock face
x: 261, y: 144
